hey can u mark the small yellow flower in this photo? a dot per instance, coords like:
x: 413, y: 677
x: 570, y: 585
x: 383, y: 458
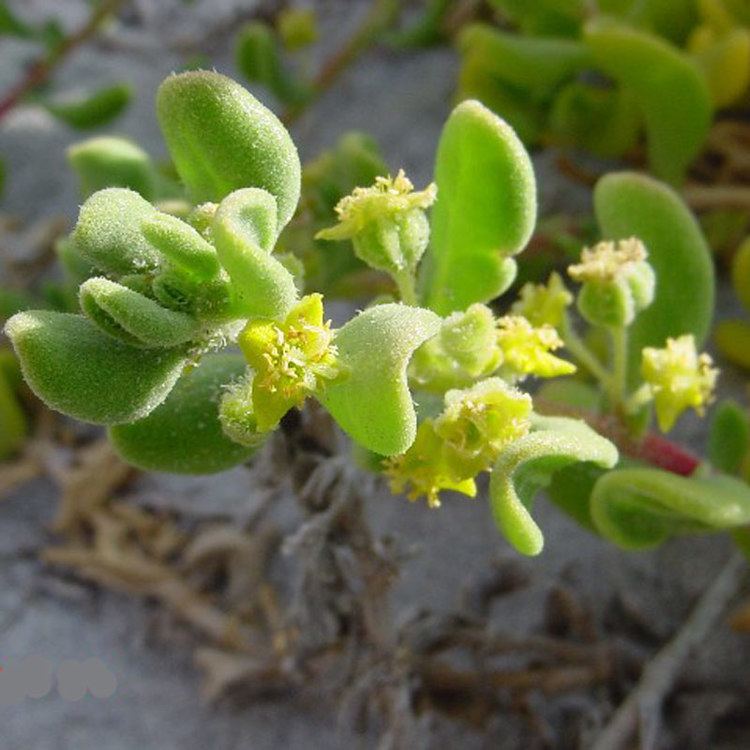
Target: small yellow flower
x: 387, y: 197
x: 291, y: 360
x: 608, y: 261
x: 422, y: 472
x: 449, y: 451
x: 478, y: 422
x: 526, y: 349
x: 679, y: 378
x: 544, y: 304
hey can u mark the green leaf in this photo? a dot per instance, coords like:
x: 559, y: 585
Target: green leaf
x: 184, y: 434
x: 638, y: 508
x: 258, y: 57
x: 108, y: 232
x: 113, y: 162
x: 485, y: 210
x: 78, y: 370
x: 93, y: 110
x: 133, y: 318
x: 373, y: 404
x: 528, y: 465
x: 533, y: 64
x: 672, y: 92
x: 244, y: 230
x: 221, y: 139
x: 729, y: 437
x: 732, y: 339
x: 13, y: 425
x: 12, y: 25
x: 182, y: 245
x: 629, y: 204
x: 545, y: 17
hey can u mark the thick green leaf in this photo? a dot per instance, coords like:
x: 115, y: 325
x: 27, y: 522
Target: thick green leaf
x: 732, y: 339
x: 93, y: 110
x: 629, y: 204
x: 545, y: 17
x: 637, y: 508
x: 258, y: 57
x: 113, y: 162
x: 729, y: 438
x: 485, y: 210
x: 129, y: 316
x: 78, y: 370
x: 244, y: 230
x: 13, y: 425
x: 222, y: 138
x: 184, y: 434
x: 528, y: 465
x: 533, y: 64
x: 108, y: 233
x: 373, y: 404
x: 182, y: 245
x: 670, y: 88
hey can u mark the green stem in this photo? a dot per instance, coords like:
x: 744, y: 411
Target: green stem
x: 619, y: 363
x: 406, y: 288
x: 584, y: 355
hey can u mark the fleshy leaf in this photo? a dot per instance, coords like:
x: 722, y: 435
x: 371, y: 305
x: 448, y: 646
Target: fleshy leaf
x: 637, y: 508
x: 112, y: 162
x: 184, y: 434
x: 732, y: 339
x: 13, y: 426
x: 78, y: 370
x: 108, y: 232
x: 373, y: 404
x: 729, y: 438
x: 244, y: 232
x: 485, y: 210
x: 634, y: 205
x: 529, y: 464
x: 93, y: 110
x: 222, y: 138
x: 133, y: 318
x: 182, y: 245
x: 670, y: 88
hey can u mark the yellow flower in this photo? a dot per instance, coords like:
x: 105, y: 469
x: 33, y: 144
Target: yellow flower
x: 449, y: 451
x: 608, y: 261
x: 291, y: 360
x: 387, y: 197
x: 679, y: 378
x: 526, y: 349
x: 478, y: 422
x: 544, y: 304
x: 422, y: 472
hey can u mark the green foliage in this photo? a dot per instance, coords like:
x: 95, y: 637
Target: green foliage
x: 184, y: 434
x: 729, y: 438
x: 638, y: 508
x: 92, y: 110
x: 222, y: 138
x: 530, y: 463
x: 13, y: 425
x: 629, y: 204
x: 477, y: 224
x: 374, y: 404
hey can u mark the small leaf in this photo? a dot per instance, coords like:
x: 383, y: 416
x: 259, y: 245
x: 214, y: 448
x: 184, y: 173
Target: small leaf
x: 741, y: 272
x: 108, y: 232
x: 133, y: 318
x: 182, y: 245
x: 244, y: 230
x: 13, y: 425
x: 113, y: 162
x: 184, y: 434
x: 258, y: 58
x: 12, y: 25
x: 528, y: 465
x: 93, y: 110
x: 78, y: 370
x: 638, y: 508
x: 729, y: 438
x: 732, y: 339
x: 485, y: 210
x: 669, y: 87
x: 222, y: 138
x: 634, y: 205
x: 373, y: 404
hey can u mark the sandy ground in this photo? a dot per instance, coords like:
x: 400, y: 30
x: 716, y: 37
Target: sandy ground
x: 402, y: 100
